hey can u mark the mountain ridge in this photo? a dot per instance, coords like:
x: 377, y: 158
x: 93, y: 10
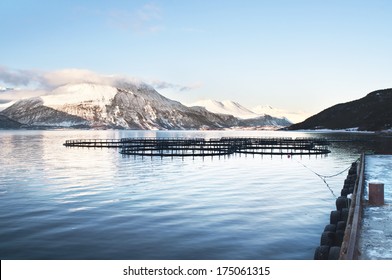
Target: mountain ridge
x: 227, y: 107
x: 369, y: 113
x: 125, y: 106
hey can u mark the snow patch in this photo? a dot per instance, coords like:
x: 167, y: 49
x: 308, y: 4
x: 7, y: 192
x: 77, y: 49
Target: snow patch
x: 291, y: 116
x: 226, y: 107
x: 375, y: 238
x: 4, y: 106
x: 229, y: 107
x: 92, y: 94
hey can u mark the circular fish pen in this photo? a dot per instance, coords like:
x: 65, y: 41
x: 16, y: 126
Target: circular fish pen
x: 222, y: 146
x: 281, y: 146
x: 175, y: 147
x: 201, y: 147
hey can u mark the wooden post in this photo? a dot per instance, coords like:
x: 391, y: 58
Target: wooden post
x: 376, y: 194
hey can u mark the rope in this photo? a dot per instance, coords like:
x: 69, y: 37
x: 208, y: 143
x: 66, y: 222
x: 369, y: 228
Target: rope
x: 330, y: 176
x: 323, y: 177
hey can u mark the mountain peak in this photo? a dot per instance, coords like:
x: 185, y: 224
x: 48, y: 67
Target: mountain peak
x: 381, y: 93
x: 227, y: 107
x: 266, y: 110
x: 79, y: 93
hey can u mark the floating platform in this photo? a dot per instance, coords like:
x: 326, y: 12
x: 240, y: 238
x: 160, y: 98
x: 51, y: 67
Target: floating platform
x: 94, y: 143
x: 184, y: 147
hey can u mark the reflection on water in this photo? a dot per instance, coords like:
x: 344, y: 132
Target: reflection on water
x: 78, y: 203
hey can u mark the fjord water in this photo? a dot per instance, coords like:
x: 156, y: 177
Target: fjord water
x: 80, y: 203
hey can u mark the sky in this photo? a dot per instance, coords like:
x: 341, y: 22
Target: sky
x: 303, y: 55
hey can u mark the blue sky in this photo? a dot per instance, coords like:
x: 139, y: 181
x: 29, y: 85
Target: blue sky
x: 295, y: 55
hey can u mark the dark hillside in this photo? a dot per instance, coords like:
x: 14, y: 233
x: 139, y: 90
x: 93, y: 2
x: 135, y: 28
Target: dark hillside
x: 7, y: 123
x: 372, y: 113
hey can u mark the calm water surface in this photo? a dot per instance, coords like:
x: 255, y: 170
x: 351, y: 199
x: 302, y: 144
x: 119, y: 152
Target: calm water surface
x: 79, y: 203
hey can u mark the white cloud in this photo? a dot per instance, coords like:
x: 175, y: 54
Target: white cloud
x: 73, y: 76
x: 7, y: 97
x: 166, y: 85
x: 49, y: 80
x: 37, y: 83
x: 191, y: 87
x: 18, y: 77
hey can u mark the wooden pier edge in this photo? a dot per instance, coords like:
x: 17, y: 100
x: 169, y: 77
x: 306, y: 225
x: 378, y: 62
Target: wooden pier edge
x: 349, y: 249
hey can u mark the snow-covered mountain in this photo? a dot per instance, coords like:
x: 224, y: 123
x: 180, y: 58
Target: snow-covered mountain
x: 5, y: 105
x: 264, y: 116
x: 129, y: 106
x: 234, y: 108
x: 292, y: 116
x: 268, y: 110
x: 227, y: 107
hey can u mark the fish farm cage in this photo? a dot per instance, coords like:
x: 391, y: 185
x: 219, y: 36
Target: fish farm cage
x: 194, y: 147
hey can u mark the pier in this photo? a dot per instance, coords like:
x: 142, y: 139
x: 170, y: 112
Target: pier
x: 375, y: 238
x: 368, y: 234
x: 184, y: 147
x: 360, y: 226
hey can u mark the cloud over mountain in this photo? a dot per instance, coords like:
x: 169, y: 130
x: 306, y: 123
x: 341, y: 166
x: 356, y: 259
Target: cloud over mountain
x: 35, y: 82
x: 18, y: 77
